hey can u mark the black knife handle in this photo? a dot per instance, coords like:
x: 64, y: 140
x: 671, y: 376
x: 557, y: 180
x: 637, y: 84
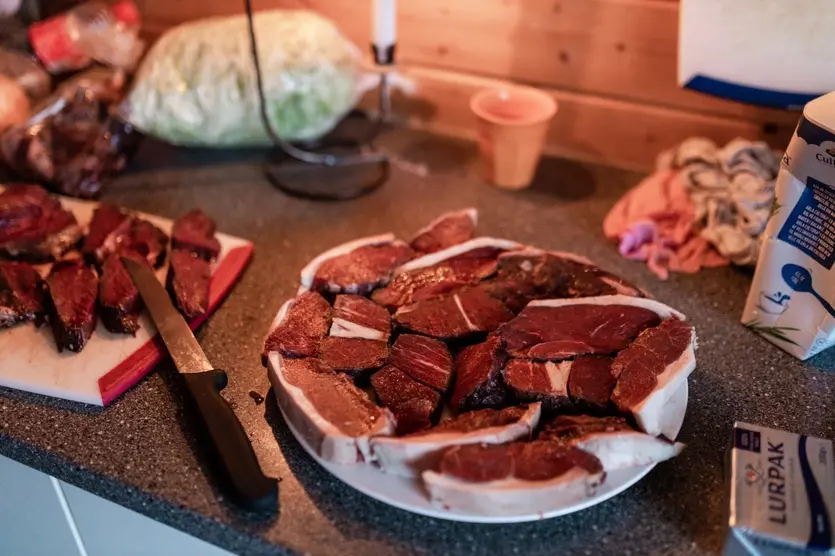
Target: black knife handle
x: 250, y: 487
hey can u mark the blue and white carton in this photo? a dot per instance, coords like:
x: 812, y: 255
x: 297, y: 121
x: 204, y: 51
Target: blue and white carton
x: 791, y: 297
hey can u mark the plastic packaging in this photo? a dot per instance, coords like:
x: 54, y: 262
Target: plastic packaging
x: 197, y: 85
x: 790, y: 301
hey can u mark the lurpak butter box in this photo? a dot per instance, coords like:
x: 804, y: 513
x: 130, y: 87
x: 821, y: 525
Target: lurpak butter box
x: 782, y: 493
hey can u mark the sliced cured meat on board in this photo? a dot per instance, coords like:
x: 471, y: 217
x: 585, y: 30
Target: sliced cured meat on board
x: 537, y: 381
x: 119, y: 299
x: 299, y: 327
x: 446, y: 230
x: 591, y: 382
x: 611, y: 439
x: 195, y: 232
x: 426, y: 360
x: 414, y: 405
x: 336, y: 418
x: 651, y: 370
x: 106, y: 220
x: 138, y: 235
x: 408, y: 456
x: 355, y: 356
x: 188, y: 282
x: 478, y: 376
x: 557, y: 329
x: 516, y: 478
x: 438, y: 274
x: 73, y: 289
x: 22, y: 295
x: 463, y: 313
x: 356, y: 267
x: 355, y: 316
x: 34, y: 226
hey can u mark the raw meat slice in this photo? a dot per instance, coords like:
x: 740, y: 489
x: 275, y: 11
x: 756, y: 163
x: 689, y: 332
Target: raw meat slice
x: 616, y: 444
x: 140, y: 236
x: 355, y: 316
x: 478, y: 379
x: 414, y: 405
x: 188, y: 283
x: 195, y: 232
x: 34, y: 226
x: 591, y: 382
x: 440, y: 273
x: 335, y: 418
x: 408, y: 456
x: 73, y: 289
x: 355, y: 356
x: 21, y: 206
x: 22, y: 295
x: 357, y: 266
x: 531, y: 381
x: 119, y: 299
x: 652, y: 369
x: 563, y: 328
x: 424, y: 359
x: 467, y: 311
x: 299, y: 326
x: 447, y: 230
x: 106, y: 220
x: 520, y: 477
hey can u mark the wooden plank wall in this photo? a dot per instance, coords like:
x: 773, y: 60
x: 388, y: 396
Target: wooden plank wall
x: 611, y: 65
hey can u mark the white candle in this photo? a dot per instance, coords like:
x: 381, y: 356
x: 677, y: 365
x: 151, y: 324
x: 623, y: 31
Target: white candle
x: 384, y: 28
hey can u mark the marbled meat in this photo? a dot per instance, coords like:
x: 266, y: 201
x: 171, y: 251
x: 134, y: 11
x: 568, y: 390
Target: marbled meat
x: 106, y: 220
x: 426, y: 360
x: 537, y: 381
x: 591, y: 382
x: 195, y: 232
x: 188, y: 282
x: 34, y: 226
x: 447, y: 230
x: 355, y: 356
x: 119, y: 300
x: 467, y: 311
x: 478, y: 376
x: 22, y: 295
x: 302, y: 323
x: 355, y: 316
x: 73, y: 289
x: 414, y: 405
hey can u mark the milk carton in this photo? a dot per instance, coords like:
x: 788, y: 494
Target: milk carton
x: 790, y: 302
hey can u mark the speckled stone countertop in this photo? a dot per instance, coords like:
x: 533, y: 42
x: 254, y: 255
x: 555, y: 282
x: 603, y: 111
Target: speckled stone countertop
x: 141, y: 451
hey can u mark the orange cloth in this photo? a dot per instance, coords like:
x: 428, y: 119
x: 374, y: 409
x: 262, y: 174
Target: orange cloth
x: 653, y: 222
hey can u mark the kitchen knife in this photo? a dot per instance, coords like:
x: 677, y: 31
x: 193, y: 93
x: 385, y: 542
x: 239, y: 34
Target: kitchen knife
x: 249, y: 487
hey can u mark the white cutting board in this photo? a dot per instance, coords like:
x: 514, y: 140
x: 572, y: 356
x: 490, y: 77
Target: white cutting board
x: 771, y: 52
x: 109, y: 363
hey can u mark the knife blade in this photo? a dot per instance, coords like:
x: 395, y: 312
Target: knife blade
x: 248, y: 486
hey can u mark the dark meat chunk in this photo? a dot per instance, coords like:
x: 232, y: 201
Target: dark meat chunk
x: 413, y: 404
x: 195, y: 232
x: 355, y: 316
x: 478, y: 380
x: 360, y: 270
x: 303, y: 327
x: 106, y: 220
x: 568, y: 428
x: 480, y: 419
x: 424, y: 359
x: 119, y: 299
x: 188, y: 283
x: 449, y: 229
x: 545, y: 332
x: 355, y: 356
x: 534, y: 381
x: 465, y: 312
x: 34, y: 226
x: 142, y: 237
x: 21, y: 294
x: 590, y: 382
x: 73, y: 288
x: 21, y: 206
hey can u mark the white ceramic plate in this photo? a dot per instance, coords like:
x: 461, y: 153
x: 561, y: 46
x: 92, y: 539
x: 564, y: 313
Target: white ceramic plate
x: 409, y: 494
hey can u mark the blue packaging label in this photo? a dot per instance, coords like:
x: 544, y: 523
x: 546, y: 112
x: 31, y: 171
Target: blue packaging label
x: 811, y: 225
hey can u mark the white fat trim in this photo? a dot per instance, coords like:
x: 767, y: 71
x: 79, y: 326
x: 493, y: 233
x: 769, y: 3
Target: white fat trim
x: 342, y: 328
x: 454, y: 251
x: 309, y: 271
x: 471, y: 212
x: 535, y: 251
x: 558, y: 376
x: 470, y: 325
x: 663, y: 311
x: 624, y: 449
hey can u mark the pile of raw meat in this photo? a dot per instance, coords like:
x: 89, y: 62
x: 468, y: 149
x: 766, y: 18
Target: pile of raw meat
x: 482, y: 366
x: 84, y: 276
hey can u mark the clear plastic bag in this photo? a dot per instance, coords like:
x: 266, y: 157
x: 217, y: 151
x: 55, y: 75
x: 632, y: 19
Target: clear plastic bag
x: 197, y: 85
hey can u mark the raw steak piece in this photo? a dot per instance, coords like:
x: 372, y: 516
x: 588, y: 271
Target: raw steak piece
x: 590, y: 382
x: 106, y: 220
x: 478, y: 380
x: 414, y: 405
x: 447, y: 230
x: 356, y: 267
x: 73, y: 288
x: 188, y: 283
x: 140, y: 236
x: 21, y: 206
x: 355, y: 356
x: 195, y: 232
x: 299, y: 326
x: 34, y: 226
x: 355, y: 316
x: 409, y: 455
x: 465, y: 312
x: 440, y: 273
x: 520, y: 477
x: 563, y: 328
x: 616, y: 444
x: 652, y: 369
x: 21, y: 295
x: 546, y: 382
x: 119, y: 299
x: 336, y: 418
x: 424, y: 359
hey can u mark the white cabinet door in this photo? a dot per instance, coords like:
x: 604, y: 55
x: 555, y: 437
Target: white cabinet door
x: 108, y: 529
x: 32, y: 519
